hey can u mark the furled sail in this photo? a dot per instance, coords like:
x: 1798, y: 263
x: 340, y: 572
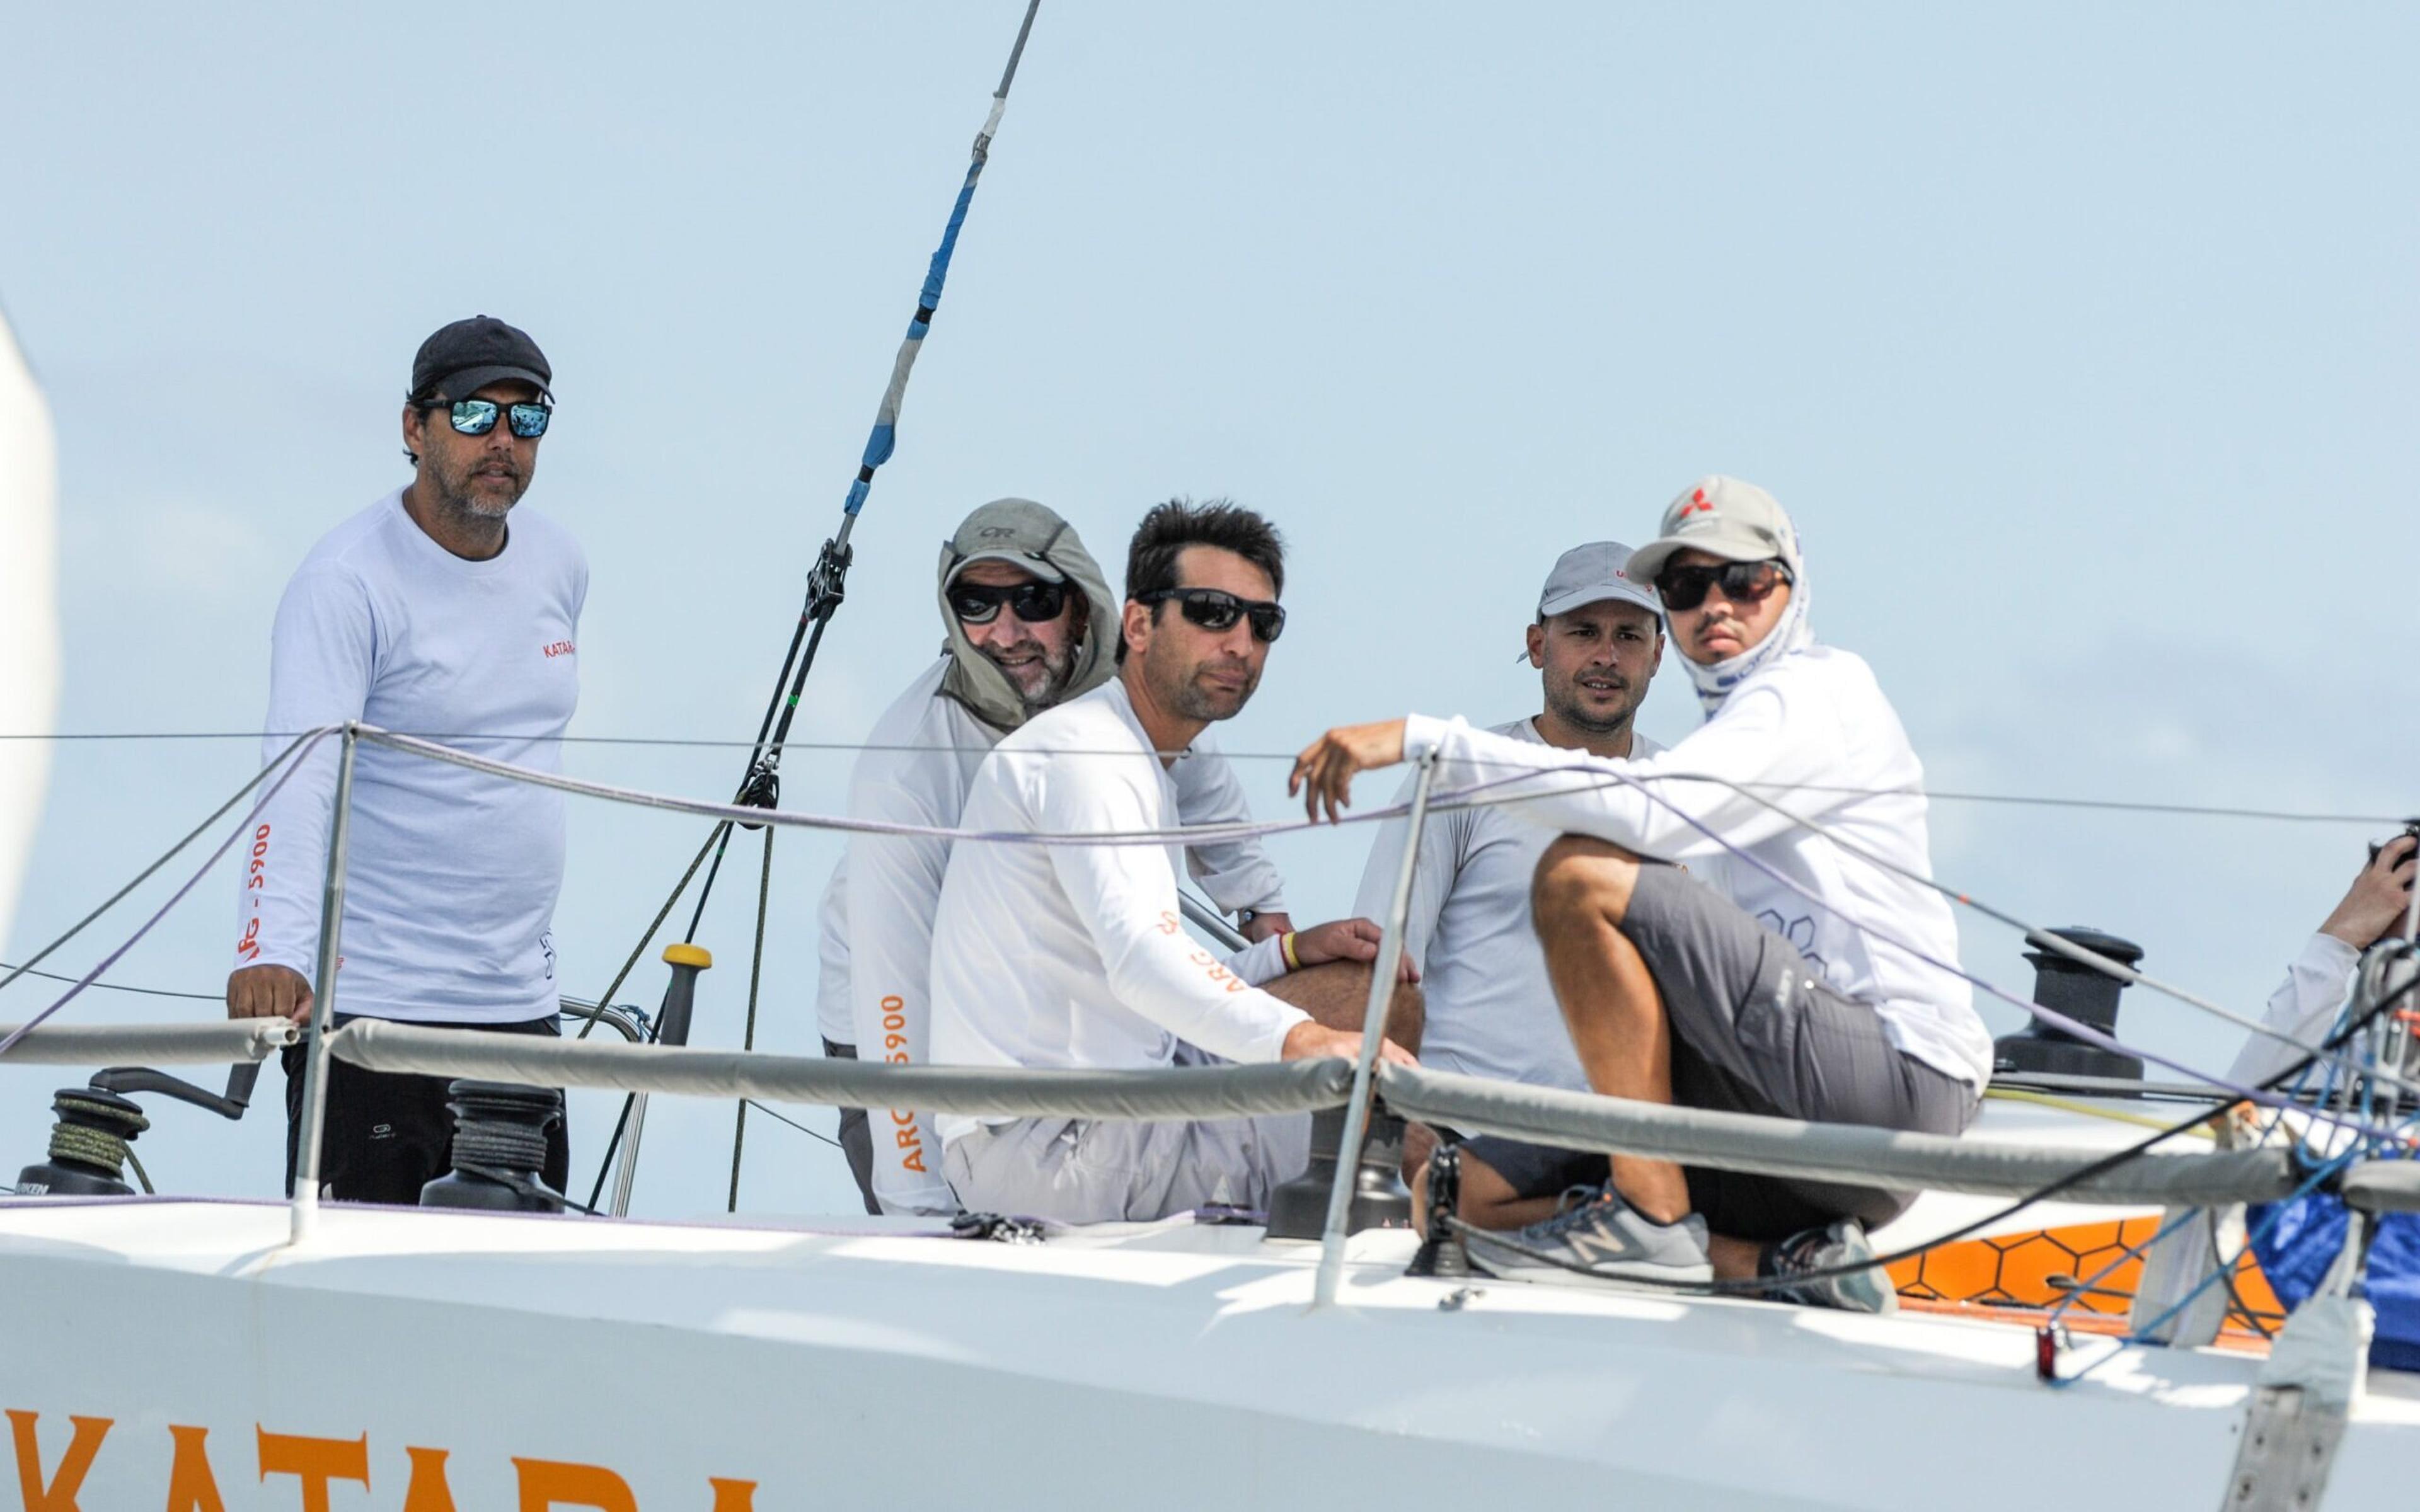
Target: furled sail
x: 29, y: 618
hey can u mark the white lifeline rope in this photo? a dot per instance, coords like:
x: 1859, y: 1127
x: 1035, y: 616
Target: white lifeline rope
x: 2034, y: 933
x: 1185, y: 835
x: 1462, y: 797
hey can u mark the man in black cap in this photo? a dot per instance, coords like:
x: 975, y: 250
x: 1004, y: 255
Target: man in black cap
x: 442, y: 609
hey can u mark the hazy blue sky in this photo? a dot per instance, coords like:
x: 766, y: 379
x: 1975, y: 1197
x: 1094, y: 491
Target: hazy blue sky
x: 2081, y: 341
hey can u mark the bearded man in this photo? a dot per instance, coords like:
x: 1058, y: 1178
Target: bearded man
x: 1030, y: 622
x: 441, y: 608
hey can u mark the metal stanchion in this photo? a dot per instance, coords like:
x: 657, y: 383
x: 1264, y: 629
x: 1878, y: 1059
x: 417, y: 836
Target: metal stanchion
x: 1373, y: 1032
x: 324, y: 1005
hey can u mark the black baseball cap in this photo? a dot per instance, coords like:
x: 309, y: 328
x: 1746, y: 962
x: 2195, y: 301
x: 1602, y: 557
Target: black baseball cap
x: 467, y: 356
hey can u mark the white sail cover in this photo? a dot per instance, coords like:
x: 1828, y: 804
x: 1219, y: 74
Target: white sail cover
x: 29, y: 617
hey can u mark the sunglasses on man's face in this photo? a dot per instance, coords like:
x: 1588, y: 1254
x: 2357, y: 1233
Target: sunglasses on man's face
x: 1033, y: 603
x: 1741, y: 582
x: 1215, y: 610
x: 477, y: 417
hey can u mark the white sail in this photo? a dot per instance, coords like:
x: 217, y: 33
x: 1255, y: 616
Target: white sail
x: 29, y: 611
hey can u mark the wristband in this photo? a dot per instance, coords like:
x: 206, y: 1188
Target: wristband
x: 1285, y: 947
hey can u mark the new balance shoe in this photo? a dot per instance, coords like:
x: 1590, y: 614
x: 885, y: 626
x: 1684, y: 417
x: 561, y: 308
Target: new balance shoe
x: 1603, y: 1239
x: 1807, y: 1260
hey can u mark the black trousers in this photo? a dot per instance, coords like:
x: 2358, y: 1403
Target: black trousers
x: 388, y: 1135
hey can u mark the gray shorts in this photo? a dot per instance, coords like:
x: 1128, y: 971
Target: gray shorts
x: 1086, y: 1171
x: 1756, y: 1031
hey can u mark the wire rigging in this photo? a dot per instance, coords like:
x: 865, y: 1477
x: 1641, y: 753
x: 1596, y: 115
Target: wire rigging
x: 826, y: 581
x: 287, y: 757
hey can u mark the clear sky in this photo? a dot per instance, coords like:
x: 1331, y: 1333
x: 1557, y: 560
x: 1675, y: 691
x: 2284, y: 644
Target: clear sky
x: 2080, y: 340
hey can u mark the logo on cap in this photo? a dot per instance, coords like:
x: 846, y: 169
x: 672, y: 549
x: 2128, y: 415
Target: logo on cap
x: 1698, y: 504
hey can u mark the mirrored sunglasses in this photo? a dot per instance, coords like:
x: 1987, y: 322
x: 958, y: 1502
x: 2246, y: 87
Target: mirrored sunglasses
x: 477, y: 417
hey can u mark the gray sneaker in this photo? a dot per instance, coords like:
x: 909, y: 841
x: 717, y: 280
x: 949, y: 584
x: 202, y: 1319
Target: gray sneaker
x: 1604, y: 1238
x: 1817, y: 1250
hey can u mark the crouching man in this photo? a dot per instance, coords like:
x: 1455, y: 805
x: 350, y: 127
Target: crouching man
x: 1054, y: 955
x: 1807, y: 979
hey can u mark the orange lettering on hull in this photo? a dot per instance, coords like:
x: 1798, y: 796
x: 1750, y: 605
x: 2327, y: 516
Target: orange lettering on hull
x: 59, y: 1495
x: 315, y: 1463
x: 191, y: 1487
x: 428, y: 1490
x: 551, y: 1483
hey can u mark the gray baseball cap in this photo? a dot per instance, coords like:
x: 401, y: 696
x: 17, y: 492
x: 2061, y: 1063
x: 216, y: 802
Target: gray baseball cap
x: 1015, y: 531
x: 1723, y: 518
x: 1592, y: 573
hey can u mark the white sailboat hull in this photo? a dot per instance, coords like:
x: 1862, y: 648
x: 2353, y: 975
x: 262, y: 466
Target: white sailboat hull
x: 1167, y: 1365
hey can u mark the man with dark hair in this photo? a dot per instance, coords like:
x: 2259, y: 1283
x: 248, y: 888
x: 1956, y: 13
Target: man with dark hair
x: 1077, y: 956
x: 1029, y: 622
x: 426, y: 611
x: 1596, y: 642
x: 1170, y: 527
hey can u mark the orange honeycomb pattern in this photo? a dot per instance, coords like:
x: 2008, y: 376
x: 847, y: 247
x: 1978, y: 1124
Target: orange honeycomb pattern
x: 2011, y: 1274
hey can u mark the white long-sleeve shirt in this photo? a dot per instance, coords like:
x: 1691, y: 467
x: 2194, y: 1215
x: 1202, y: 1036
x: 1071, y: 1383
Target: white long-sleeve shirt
x: 1491, y: 1010
x: 451, y: 875
x: 1814, y: 719
x: 876, y: 917
x: 1076, y: 955
x: 2304, y: 1004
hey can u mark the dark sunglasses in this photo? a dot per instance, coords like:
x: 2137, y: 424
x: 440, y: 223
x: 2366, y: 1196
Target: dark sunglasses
x: 1743, y: 582
x: 1034, y: 603
x: 477, y: 417
x: 1215, y: 610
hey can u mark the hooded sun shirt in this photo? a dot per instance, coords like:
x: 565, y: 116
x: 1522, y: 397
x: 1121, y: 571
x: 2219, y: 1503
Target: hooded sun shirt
x: 1034, y: 536
x: 876, y: 919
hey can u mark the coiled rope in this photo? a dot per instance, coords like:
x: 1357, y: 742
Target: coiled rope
x: 94, y: 1129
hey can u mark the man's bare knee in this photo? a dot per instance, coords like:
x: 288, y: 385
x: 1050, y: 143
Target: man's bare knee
x: 1580, y: 877
x: 1335, y: 993
x: 1487, y: 1200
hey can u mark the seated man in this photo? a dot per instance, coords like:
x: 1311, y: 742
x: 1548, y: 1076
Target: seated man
x: 1074, y: 955
x: 1489, y: 1009
x: 1804, y: 979
x: 2306, y: 1003
x: 1030, y: 623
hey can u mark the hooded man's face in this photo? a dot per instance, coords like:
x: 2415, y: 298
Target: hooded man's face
x: 1720, y: 628
x: 1037, y: 656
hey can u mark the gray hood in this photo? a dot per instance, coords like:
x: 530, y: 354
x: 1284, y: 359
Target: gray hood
x: 1032, y: 537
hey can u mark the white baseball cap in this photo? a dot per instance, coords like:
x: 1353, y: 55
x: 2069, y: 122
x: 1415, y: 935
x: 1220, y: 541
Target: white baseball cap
x: 1724, y: 518
x: 1592, y: 573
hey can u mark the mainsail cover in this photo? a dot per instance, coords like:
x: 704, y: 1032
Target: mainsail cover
x: 29, y: 616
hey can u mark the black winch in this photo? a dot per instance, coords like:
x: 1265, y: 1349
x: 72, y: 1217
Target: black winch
x: 499, y: 1147
x: 97, y: 1123
x: 2083, y: 993
x: 1299, y: 1209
